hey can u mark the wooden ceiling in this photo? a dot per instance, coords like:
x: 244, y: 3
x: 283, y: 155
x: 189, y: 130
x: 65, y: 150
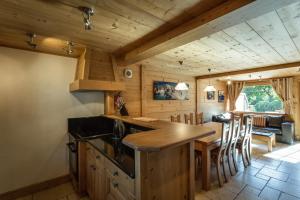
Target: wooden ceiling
x: 119, y: 26
x: 270, y: 39
x: 116, y: 23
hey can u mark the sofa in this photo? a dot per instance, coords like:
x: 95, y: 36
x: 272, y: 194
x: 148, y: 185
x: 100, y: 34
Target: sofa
x: 283, y: 129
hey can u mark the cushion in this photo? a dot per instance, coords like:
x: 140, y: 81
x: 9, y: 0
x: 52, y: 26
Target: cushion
x: 275, y: 121
x: 259, y: 121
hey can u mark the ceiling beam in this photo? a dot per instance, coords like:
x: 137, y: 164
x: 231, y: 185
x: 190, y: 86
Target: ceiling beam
x: 252, y: 70
x: 227, y: 14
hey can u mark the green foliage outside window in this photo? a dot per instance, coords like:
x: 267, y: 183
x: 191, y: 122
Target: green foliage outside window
x: 262, y: 98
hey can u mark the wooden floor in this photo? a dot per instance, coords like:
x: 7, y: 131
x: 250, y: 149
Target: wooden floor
x: 272, y: 176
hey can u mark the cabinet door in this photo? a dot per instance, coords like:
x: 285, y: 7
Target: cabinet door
x: 112, y: 191
x: 90, y: 175
x: 99, y: 179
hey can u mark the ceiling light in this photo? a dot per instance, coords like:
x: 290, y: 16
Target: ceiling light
x: 209, y: 87
x: 181, y: 86
x: 87, y: 13
x: 228, y: 82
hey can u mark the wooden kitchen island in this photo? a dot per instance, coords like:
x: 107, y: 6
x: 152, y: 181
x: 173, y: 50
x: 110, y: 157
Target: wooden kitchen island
x: 164, y: 159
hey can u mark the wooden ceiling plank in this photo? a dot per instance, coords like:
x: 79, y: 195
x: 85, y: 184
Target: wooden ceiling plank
x: 271, y: 29
x: 205, y: 24
x: 244, y: 34
x: 251, y: 70
x: 289, y: 16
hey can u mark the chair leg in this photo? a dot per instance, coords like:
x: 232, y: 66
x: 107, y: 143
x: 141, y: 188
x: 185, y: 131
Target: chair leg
x: 244, y: 157
x: 224, y: 169
x: 234, y: 160
x: 229, y: 160
x: 248, y: 156
x: 219, y: 171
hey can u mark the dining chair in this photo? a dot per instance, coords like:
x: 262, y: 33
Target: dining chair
x: 231, y: 151
x: 188, y: 118
x: 199, y: 118
x: 175, y: 118
x: 219, y: 154
x: 244, y: 143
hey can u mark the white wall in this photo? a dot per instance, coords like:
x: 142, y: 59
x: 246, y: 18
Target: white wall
x: 34, y: 106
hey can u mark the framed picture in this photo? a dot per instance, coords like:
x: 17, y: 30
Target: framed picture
x: 221, y: 96
x: 211, y: 95
x: 166, y: 91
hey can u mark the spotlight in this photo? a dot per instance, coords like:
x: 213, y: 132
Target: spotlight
x: 70, y: 48
x: 87, y: 13
x: 31, y: 40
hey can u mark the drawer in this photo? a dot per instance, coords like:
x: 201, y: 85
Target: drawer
x: 119, y: 177
x: 117, y: 188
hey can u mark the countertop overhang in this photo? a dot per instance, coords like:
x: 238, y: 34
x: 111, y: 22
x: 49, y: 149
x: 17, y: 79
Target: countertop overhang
x: 165, y: 135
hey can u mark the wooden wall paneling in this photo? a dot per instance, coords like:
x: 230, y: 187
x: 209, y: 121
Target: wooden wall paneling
x: 143, y: 91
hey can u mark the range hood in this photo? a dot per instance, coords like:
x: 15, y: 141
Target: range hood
x: 96, y: 85
x: 96, y: 71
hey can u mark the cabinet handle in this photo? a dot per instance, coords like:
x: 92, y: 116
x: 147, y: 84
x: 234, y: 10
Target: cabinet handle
x: 98, y: 157
x: 115, y: 184
x: 93, y: 167
x: 115, y: 173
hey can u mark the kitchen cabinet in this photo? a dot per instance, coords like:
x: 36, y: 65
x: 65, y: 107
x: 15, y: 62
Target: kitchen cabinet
x: 104, y: 180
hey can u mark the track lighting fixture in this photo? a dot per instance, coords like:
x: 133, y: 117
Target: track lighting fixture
x: 70, y: 48
x: 30, y: 42
x: 87, y: 13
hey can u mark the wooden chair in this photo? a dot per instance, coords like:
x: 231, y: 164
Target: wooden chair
x: 231, y: 151
x: 244, y: 143
x: 188, y: 119
x: 199, y: 118
x: 219, y: 153
x: 175, y: 118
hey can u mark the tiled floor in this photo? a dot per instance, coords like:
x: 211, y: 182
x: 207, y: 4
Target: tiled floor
x: 272, y: 176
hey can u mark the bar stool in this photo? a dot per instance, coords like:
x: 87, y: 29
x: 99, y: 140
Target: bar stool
x: 188, y: 118
x: 219, y: 154
x: 244, y: 142
x: 231, y: 151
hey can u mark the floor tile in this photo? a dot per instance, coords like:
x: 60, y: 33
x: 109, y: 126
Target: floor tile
x: 251, y: 180
x: 274, y: 174
x: 252, y: 190
x: 285, y: 196
x: 247, y: 196
x: 269, y: 194
x: 285, y: 187
x: 261, y: 176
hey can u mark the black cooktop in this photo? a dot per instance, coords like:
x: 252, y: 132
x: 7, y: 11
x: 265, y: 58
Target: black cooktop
x: 114, y: 150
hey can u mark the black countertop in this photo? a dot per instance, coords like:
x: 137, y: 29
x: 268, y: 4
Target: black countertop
x: 120, y: 154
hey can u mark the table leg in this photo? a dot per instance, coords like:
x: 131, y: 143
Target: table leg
x: 206, y: 165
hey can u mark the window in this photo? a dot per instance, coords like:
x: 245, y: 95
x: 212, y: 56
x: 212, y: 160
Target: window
x: 259, y: 98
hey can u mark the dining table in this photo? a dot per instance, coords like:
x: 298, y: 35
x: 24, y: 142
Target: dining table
x: 205, y: 145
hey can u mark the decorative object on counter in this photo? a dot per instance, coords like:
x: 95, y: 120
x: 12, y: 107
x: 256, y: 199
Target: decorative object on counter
x: 120, y: 105
x: 210, y: 95
x: 221, y: 96
x: 199, y: 118
x: 166, y: 91
x: 188, y: 118
x: 118, y: 129
x: 209, y: 87
x: 176, y: 118
x: 128, y: 73
x: 87, y: 13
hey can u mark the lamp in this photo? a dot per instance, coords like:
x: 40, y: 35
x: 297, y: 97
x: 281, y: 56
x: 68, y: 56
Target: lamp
x: 209, y: 87
x: 181, y: 86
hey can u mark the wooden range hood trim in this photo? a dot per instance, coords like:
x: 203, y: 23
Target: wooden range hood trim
x: 96, y: 85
